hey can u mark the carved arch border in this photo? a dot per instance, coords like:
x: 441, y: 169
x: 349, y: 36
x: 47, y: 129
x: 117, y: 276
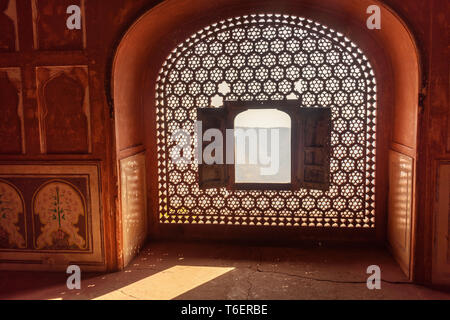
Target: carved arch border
x: 44, y: 76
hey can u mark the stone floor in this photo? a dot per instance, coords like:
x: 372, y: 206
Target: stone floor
x: 173, y: 270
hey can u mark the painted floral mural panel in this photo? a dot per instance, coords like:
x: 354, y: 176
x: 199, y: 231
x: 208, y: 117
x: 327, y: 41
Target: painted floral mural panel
x: 50, y: 217
x: 12, y: 217
x: 59, y: 217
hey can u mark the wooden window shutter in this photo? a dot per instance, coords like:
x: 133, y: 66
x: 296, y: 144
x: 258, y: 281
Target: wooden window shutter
x: 313, y: 142
x: 212, y: 175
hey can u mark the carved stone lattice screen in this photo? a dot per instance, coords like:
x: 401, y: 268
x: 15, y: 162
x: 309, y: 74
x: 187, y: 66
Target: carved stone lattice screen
x: 270, y: 57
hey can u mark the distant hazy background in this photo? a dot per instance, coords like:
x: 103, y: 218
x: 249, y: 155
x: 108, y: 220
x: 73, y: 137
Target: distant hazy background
x: 250, y: 173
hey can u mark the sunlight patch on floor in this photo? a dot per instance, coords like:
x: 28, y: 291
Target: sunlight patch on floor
x: 167, y: 284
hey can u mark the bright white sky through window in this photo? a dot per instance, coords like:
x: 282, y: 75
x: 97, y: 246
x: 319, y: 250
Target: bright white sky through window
x: 262, y: 118
x: 249, y: 172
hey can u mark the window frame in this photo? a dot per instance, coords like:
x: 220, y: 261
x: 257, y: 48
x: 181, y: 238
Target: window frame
x: 233, y: 108
x: 303, y: 175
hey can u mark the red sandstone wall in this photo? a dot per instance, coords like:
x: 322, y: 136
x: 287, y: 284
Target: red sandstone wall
x: 48, y: 72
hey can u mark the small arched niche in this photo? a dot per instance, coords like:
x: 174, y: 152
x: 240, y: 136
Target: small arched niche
x: 392, y: 53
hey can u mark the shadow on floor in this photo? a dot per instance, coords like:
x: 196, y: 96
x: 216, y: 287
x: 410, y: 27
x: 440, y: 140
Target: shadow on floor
x: 174, y: 270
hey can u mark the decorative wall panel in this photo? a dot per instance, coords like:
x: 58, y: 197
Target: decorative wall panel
x: 276, y: 57
x: 134, y: 211
x: 13, y: 232
x: 64, y: 129
x: 50, y: 216
x: 441, y: 243
x: 399, y: 208
x: 59, y: 217
x: 49, y: 25
x: 9, y: 36
x: 11, y: 112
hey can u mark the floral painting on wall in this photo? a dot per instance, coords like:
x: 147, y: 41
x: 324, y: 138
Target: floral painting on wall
x: 50, y: 216
x: 12, y: 217
x: 45, y: 213
x: 58, y: 212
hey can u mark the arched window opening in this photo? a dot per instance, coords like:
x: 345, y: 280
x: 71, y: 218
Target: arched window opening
x: 262, y: 147
x: 270, y: 57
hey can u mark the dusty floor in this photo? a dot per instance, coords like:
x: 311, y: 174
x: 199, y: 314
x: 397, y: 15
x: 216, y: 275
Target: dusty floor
x: 217, y: 271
